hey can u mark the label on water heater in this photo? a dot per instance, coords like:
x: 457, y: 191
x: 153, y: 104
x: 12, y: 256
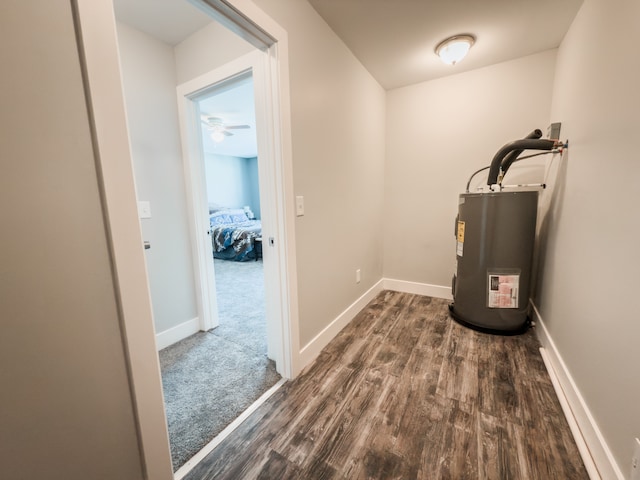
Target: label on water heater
x: 460, y: 239
x: 460, y: 231
x: 503, y: 290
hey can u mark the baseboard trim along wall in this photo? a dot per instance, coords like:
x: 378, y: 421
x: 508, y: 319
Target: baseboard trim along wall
x: 177, y: 333
x: 311, y: 350
x: 596, y: 454
x: 426, y: 289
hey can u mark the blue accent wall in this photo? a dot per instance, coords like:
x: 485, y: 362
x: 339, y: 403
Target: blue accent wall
x: 233, y: 182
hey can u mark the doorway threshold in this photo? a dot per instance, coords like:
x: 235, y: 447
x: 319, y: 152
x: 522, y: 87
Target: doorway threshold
x: 209, y: 447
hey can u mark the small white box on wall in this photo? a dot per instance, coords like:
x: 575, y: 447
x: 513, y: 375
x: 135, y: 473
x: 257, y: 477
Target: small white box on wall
x: 144, y: 209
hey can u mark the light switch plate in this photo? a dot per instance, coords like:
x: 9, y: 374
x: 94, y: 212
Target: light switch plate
x: 635, y: 461
x: 144, y: 209
x: 299, y: 206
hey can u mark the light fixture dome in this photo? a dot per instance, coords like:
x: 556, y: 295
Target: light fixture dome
x: 455, y: 48
x: 217, y: 135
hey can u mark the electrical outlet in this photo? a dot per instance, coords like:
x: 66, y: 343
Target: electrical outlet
x: 358, y: 277
x: 635, y: 462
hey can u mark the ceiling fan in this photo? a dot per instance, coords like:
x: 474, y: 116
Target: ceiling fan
x: 218, y: 128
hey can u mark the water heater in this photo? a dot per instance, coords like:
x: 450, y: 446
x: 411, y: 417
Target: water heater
x: 495, y: 235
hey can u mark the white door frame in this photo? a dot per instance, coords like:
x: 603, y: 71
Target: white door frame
x: 98, y: 45
x: 189, y: 94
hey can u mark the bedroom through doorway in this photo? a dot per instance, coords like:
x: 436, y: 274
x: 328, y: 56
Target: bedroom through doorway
x: 230, y: 356
x: 230, y: 157
x: 169, y: 150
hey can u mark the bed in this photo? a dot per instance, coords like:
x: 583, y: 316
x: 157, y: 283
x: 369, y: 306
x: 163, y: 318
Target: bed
x: 233, y: 235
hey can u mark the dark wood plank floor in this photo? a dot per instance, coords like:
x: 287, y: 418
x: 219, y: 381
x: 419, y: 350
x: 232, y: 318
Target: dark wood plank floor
x: 405, y: 393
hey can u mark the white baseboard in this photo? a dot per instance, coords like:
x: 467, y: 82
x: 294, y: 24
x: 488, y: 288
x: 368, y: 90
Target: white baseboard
x: 177, y: 333
x: 436, y: 291
x: 577, y: 411
x: 311, y: 350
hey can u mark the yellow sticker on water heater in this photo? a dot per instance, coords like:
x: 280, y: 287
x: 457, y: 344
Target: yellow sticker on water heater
x: 461, y: 232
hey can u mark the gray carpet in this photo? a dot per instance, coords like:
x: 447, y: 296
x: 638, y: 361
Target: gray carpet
x: 212, y: 377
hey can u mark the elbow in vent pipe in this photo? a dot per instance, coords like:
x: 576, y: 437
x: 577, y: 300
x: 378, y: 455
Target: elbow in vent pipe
x: 516, y: 146
x: 511, y: 157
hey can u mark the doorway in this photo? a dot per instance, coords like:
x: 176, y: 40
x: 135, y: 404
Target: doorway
x: 230, y: 159
x: 265, y: 199
x: 211, y: 377
x: 102, y: 76
x: 214, y: 113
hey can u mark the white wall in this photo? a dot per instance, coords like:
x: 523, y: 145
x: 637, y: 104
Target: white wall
x: 589, y: 280
x: 438, y: 133
x: 148, y: 71
x: 337, y: 113
x: 207, y: 49
x: 66, y: 407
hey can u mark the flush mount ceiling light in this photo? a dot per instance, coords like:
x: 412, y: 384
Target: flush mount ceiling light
x: 455, y: 48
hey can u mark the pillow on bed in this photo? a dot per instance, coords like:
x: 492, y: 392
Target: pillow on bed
x: 228, y: 216
x: 237, y: 215
x: 239, y: 218
x: 220, y: 218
